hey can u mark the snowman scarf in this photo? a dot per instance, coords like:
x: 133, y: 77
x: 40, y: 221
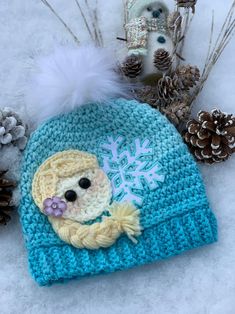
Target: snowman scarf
x: 137, y: 33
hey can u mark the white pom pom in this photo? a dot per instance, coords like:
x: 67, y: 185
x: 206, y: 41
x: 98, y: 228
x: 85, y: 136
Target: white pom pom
x: 72, y: 77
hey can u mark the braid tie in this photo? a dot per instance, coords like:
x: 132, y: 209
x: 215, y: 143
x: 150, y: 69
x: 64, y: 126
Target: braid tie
x: 124, y: 218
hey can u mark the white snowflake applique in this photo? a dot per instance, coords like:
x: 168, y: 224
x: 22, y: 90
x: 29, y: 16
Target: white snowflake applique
x: 130, y: 168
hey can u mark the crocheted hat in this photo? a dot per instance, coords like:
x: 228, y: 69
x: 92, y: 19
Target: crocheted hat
x: 108, y: 187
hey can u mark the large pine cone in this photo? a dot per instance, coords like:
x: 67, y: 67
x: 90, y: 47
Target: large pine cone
x: 167, y: 89
x: 162, y: 60
x: 12, y: 129
x: 6, y: 206
x: 188, y: 76
x: 187, y: 4
x: 211, y: 138
x: 132, y: 66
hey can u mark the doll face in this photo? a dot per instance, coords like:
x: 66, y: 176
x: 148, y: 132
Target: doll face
x: 154, y: 10
x: 87, y: 194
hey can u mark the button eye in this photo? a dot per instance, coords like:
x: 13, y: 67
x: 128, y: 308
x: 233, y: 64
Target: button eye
x: 84, y: 183
x: 70, y: 196
x: 149, y: 9
x: 160, y: 10
x: 161, y: 40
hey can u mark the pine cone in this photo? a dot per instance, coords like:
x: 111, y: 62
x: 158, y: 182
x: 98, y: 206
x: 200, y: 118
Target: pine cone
x: 12, y: 129
x: 132, y: 66
x: 177, y: 112
x: 211, y: 138
x: 167, y: 89
x: 162, y: 60
x: 149, y: 95
x: 174, y: 21
x: 187, y: 4
x: 188, y: 76
x: 6, y: 206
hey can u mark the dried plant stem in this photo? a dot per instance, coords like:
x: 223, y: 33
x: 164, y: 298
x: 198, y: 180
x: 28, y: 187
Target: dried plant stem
x: 225, y: 35
x: 93, y: 29
x: 47, y: 4
x: 97, y: 34
x: 85, y: 20
x: 185, y: 25
x: 125, y: 11
x: 210, y: 42
x: 92, y: 18
x: 100, y: 36
x: 226, y: 23
x: 187, y: 19
x: 180, y: 34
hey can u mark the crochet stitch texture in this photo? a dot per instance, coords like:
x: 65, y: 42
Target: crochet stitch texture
x: 175, y: 216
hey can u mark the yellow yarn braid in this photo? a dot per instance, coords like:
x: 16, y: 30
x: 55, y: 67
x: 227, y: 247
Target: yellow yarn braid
x: 124, y: 219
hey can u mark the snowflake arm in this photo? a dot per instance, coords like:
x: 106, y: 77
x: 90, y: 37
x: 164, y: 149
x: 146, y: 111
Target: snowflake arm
x: 130, y: 168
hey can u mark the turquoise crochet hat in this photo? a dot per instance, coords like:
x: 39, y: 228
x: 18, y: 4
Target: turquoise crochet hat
x: 109, y: 187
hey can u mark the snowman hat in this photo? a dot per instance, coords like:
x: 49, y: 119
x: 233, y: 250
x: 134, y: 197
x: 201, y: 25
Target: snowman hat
x: 135, y: 7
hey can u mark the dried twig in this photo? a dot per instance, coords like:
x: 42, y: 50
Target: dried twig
x: 187, y: 19
x: 47, y: 4
x: 97, y: 34
x: 125, y: 11
x: 210, y: 43
x: 225, y: 35
x: 179, y: 33
x: 100, y: 36
x: 85, y: 20
x: 93, y: 29
x: 126, y: 14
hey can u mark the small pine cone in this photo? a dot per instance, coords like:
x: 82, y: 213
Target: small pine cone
x: 177, y: 112
x: 12, y: 129
x: 132, y: 67
x: 6, y: 187
x: 162, y: 60
x: 187, y: 4
x: 174, y: 21
x: 188, y: 76
x: 149, y: 95
x: 167, y: 89
x: 211, y: 138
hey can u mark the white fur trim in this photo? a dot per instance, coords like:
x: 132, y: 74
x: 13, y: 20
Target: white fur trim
x: 71, y: 77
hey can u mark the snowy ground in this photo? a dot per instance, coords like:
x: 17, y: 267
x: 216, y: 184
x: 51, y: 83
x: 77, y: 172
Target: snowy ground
x: 199, y: 282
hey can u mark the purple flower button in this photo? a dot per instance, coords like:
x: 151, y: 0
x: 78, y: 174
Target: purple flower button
x: 54, y: 206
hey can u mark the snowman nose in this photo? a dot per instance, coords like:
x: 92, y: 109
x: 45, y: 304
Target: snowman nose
x: 156, y: 14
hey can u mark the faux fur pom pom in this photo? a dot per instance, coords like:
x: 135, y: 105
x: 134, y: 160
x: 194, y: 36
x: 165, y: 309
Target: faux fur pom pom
x: 72, y: 77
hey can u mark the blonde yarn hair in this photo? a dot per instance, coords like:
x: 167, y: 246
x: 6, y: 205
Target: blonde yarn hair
x: 124, y: 217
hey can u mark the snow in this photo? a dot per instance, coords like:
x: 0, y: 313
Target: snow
x: 198, y: 282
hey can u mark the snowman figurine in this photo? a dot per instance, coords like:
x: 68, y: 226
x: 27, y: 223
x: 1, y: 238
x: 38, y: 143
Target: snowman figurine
x: 147, y: 32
